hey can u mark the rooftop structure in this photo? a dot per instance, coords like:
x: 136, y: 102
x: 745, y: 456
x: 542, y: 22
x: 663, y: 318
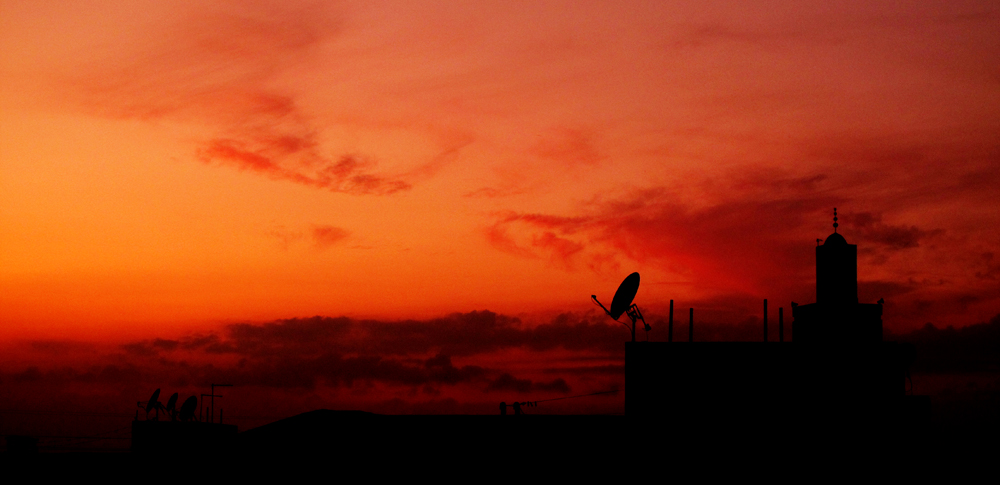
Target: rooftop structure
x: 836, y: 370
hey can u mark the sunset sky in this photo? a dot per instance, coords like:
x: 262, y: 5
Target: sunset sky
x: 176, y: 171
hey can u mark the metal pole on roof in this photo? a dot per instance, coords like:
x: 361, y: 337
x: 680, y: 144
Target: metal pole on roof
x: 670, y: 324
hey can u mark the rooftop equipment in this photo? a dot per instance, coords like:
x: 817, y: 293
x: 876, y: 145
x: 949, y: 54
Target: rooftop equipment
x: 622, y: 303
x: 187, y: 409
x: 153, y: 404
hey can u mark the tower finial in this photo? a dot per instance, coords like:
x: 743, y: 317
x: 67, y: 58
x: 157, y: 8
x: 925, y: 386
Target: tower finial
x: 835, y: 219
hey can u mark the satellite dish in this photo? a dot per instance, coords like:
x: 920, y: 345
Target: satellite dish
x: 624, y: 296
x: 172, y: 403
x: 152, y: 402
x: 171, y: 408
x: 622, y: 303
x: 187, y: 409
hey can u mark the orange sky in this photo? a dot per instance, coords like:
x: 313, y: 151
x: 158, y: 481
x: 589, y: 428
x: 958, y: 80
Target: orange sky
x: 167, y: 168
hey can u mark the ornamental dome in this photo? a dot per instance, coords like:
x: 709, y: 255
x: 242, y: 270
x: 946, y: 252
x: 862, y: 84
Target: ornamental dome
x: 835, y: 240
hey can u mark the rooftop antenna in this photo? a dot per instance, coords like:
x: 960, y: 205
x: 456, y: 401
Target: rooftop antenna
x: 835, y: 220
x: 622, y: 303
x: 213, y: 395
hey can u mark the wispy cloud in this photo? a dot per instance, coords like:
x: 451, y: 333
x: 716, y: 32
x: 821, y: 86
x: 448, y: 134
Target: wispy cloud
x: 224, y: 73
x: 323, y: 236
x: 326, y: 236
x: 871, y: 229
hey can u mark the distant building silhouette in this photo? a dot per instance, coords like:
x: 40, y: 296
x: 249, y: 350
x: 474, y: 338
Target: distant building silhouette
x: 188, y: 434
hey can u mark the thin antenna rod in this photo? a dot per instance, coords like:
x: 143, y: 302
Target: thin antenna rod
x: 594, y: 297
x: 213, y: 396
x: 691, y: 325
x: 765, y: 319
x: 670, y: 323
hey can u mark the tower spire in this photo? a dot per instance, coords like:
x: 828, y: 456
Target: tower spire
x: 835, y: 220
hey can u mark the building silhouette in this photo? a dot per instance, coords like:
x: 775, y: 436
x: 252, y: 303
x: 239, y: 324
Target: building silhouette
x: 836, y: 372
x: 837, y: 317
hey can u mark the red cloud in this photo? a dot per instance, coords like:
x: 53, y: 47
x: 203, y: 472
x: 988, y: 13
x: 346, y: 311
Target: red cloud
x: 871, y: 229
x: 221, y: 75
x: 738, y: 245
x: 325, y: 236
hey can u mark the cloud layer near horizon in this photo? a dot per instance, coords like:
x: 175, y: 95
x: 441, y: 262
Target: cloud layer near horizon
x: 459, y: 362
x: 69, y: 388
x: 342, y: 352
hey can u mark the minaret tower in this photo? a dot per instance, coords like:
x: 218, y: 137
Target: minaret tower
x: 836, y: 317
x: 836, y: 270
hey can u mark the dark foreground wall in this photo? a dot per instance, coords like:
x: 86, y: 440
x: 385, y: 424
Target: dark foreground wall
x: 771, y: 385
x: 347, y: 433
x: 181, y: 437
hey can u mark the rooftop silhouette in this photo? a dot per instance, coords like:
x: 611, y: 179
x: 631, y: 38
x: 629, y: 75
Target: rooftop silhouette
x: 835, y: 371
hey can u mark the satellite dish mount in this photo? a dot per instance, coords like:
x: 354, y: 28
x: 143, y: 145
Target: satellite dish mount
x: 622, y: 303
